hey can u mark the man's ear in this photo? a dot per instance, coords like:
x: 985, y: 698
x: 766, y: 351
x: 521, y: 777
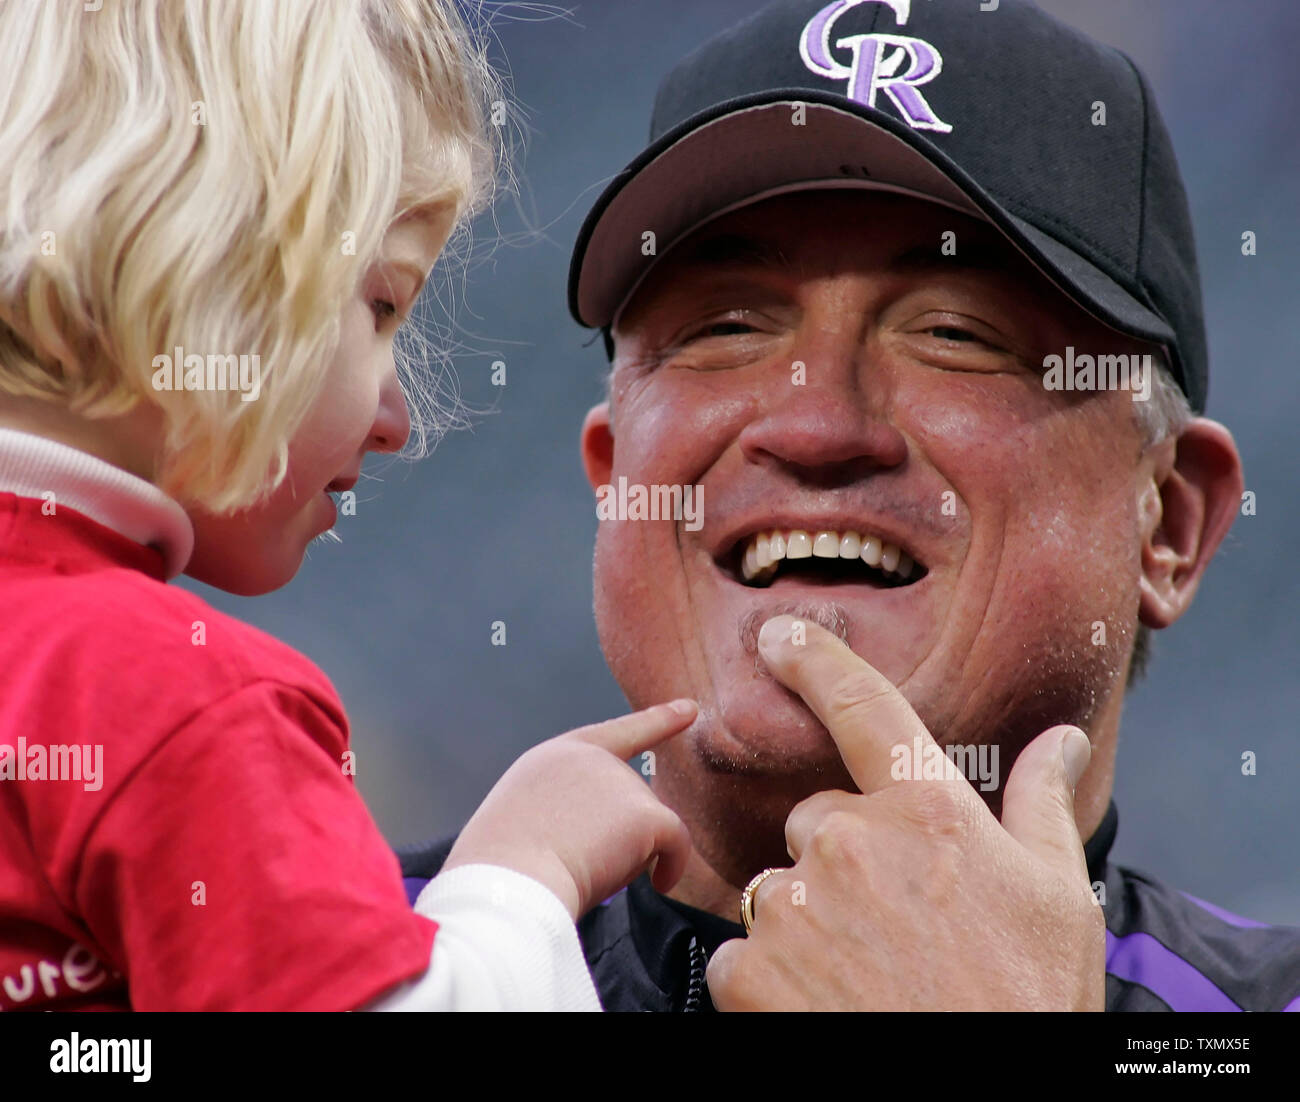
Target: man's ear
x: 597, y: 445
x: 1191, y: 499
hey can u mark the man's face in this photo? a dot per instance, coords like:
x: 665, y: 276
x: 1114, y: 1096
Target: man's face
x: 919, y: 417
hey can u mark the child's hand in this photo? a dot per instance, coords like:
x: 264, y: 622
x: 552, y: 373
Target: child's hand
x: 571, y: 814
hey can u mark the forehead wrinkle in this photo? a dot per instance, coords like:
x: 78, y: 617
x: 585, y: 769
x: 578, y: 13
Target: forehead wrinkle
x: 777, y: 245
x: 727, y: 250
x: 980, y: 256
x: 737, y: 249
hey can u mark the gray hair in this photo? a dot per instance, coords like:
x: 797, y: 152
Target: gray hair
x: 1165, y: 414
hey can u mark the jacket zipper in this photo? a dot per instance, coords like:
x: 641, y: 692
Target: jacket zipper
x: 695, y: 980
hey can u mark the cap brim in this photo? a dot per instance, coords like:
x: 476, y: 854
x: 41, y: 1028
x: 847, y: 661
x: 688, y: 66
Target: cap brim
x: 751, y: 148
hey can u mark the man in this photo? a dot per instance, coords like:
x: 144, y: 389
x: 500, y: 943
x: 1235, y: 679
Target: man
x: 906, y: 296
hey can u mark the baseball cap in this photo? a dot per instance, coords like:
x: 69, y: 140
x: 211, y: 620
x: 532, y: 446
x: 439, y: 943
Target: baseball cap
x: 1005, y: 114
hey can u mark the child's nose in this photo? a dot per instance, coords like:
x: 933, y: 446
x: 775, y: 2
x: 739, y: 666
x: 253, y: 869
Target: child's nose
x: 392, y: 426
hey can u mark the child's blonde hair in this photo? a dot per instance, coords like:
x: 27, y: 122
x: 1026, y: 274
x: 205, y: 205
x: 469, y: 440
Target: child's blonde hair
x: 218, y: 175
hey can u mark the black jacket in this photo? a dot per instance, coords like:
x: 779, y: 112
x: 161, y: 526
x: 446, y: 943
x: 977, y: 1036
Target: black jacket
x: 1164, y: 950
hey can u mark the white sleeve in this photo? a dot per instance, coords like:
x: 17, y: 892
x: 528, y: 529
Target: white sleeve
x: 504, y: 942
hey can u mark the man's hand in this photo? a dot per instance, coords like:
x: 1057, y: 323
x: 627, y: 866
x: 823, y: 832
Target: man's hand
x: 911, y: 896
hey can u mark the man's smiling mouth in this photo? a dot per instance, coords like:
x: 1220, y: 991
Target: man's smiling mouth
x: 822, y: 557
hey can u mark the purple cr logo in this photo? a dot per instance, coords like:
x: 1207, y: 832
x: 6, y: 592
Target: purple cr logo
x: 875, y: 62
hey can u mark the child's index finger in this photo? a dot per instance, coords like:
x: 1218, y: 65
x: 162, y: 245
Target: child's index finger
x: 629, y: 735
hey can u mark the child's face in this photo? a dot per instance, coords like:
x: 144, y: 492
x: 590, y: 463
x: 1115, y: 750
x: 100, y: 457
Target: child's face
x: 360, y: 409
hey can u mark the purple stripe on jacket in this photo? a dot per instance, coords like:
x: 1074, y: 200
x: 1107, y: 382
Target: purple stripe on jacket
x: 1140, y: 958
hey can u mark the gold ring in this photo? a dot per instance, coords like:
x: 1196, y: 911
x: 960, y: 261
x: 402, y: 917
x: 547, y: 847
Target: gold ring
x: 747, y: 898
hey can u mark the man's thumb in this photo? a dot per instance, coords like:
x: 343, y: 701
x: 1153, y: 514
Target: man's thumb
x: 1038, y: 802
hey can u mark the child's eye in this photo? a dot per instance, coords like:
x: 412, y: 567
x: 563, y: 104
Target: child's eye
x: 383, y: 309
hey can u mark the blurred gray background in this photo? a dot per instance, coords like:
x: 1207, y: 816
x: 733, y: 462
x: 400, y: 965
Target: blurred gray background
x: 498, y: 523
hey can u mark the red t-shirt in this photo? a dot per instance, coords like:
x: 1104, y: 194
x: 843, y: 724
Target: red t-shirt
x: 217, y: 856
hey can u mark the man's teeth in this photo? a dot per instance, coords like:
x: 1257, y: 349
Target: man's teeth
x: 766, y: 549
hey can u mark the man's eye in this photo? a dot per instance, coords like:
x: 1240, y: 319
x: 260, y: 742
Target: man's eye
x: 723, y: 329
x: 952, y: 333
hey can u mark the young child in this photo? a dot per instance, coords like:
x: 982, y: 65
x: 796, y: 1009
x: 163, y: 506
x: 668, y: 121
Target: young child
x: 214, y: 217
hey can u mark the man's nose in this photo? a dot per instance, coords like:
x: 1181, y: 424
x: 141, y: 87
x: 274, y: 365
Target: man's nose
x: 824, y: 419
x: 392, y: 424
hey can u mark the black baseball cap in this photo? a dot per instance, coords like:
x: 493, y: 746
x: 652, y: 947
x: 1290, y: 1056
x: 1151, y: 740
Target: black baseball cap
x: 1007, y: 114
